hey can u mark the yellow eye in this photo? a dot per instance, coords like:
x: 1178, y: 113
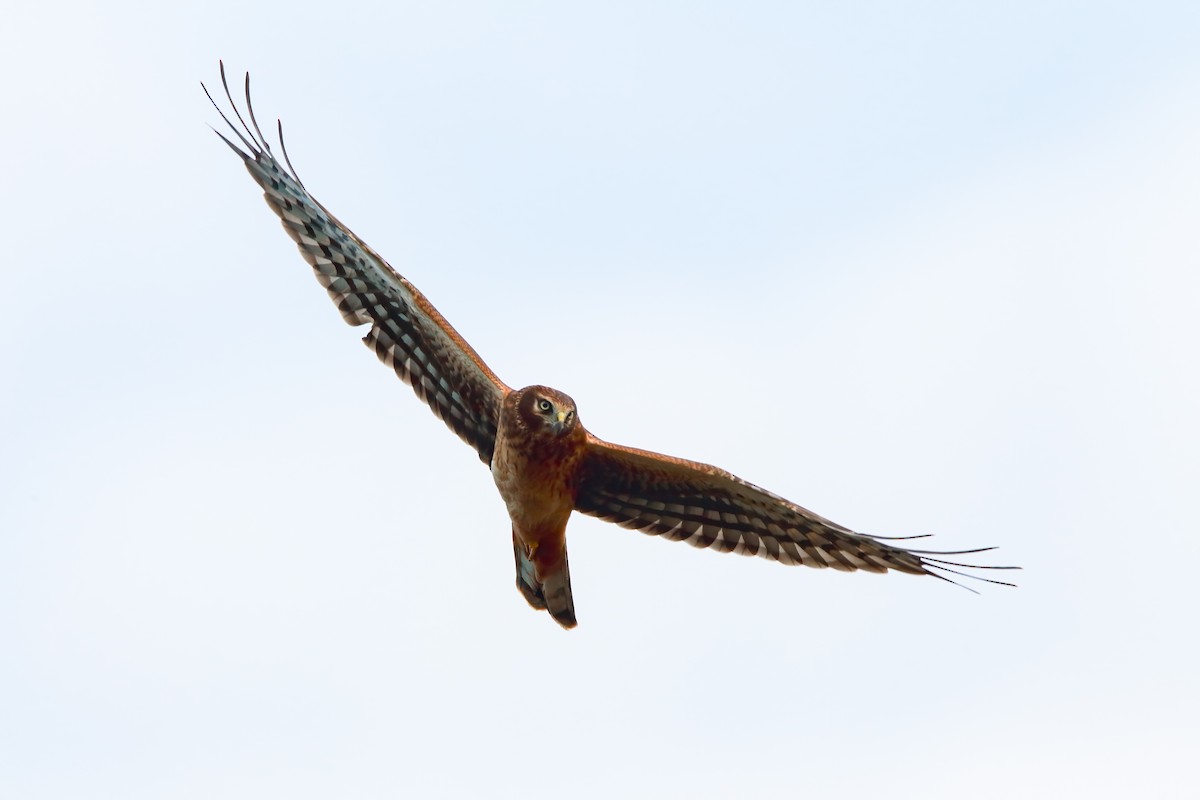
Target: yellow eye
x: 544, y: 406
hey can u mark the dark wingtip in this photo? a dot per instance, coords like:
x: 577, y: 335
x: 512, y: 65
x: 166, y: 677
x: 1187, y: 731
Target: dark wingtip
x: 257, y: 146
x: 253, y: 150
x: 250, y: 110
x: 287, y: 159
x: 930, y: 564
x: 232, y: 146
x: 947, y: 566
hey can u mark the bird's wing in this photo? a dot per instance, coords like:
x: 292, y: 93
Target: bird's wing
x: 407, y: 332
x: 708, y: 507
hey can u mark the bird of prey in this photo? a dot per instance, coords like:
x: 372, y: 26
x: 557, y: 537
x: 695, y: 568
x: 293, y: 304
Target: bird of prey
x: 545, y: 463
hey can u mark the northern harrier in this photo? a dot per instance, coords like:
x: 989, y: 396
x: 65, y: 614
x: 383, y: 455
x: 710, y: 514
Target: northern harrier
x: 544, y: 462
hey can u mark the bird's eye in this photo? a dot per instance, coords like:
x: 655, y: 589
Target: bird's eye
x: 544, y: 406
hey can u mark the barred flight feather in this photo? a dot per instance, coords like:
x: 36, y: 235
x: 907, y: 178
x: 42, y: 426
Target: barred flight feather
x: 407, y: 333
x: 708, y: 507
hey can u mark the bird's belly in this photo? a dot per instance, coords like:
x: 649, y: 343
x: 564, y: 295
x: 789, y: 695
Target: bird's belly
x: 538, y: 502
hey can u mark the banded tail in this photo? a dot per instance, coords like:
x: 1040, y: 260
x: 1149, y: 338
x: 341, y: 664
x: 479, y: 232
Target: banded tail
x: 552, y: 592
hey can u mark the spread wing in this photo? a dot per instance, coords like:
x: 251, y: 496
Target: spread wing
x: 708, y: 507
x: 407, y: 332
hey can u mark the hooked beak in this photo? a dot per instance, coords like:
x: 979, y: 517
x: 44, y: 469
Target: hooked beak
x: 559, y: 423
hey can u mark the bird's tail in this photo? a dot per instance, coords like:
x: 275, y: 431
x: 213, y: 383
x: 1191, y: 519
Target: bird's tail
x: 546, y: 586
x: 556, y: 589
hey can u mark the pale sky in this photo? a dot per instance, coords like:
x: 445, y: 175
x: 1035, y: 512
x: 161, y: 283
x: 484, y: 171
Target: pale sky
x: 919, y: 268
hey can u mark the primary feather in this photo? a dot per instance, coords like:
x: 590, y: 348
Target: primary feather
x: 407, y: 333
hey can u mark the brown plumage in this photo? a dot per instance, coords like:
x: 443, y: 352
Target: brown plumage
x: 539, y: 449
x: 544, y: 462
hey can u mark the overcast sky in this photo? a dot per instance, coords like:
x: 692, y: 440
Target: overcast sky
x: 919, y: 268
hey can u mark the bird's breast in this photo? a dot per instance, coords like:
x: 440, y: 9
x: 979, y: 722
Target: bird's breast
x: 536, y: 481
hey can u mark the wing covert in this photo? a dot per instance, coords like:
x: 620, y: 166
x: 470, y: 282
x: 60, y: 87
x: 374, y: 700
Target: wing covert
x: 709, y: 507
x: 407, y: 333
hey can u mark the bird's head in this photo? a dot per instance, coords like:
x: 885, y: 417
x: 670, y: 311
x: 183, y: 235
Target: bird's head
x: 546, y: 411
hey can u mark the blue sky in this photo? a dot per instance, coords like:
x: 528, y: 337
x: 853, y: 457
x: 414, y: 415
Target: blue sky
x: 923, y: 268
